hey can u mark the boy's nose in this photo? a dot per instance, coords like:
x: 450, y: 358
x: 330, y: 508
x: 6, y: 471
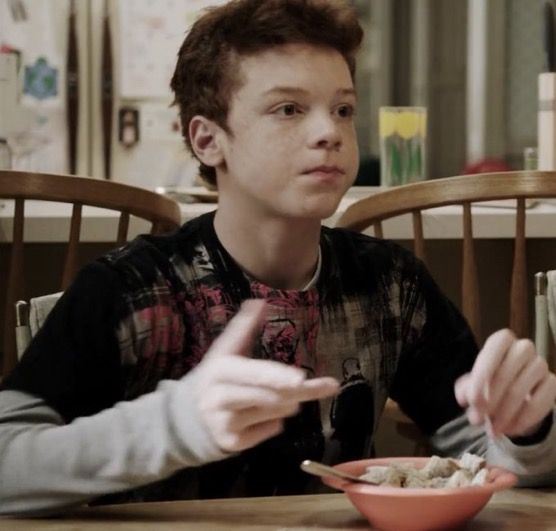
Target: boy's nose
x: 326, y: 133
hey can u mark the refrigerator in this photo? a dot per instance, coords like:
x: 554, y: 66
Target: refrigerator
x: 84, y: 88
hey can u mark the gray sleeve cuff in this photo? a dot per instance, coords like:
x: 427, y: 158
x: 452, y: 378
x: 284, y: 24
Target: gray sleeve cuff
x: 192, y: 437
x: 534, y: 464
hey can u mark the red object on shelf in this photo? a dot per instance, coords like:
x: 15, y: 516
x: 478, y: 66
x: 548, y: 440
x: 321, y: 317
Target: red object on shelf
x: 486, y: 166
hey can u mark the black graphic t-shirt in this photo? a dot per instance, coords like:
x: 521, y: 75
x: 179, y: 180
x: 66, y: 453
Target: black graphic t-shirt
x: 375, y: 320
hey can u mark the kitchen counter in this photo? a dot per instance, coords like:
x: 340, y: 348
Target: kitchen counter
x: 49, y: 222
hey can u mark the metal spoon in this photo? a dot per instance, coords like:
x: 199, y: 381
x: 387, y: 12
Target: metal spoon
x: 322, y: 470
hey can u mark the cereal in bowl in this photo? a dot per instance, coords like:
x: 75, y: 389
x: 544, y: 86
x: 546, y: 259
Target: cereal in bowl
x: 438, y: 473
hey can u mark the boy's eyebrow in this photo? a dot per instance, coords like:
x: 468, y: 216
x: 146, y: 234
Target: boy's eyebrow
x: 301, y: 91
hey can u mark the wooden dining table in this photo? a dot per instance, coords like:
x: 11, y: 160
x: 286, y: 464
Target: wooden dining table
x: 515, y: 509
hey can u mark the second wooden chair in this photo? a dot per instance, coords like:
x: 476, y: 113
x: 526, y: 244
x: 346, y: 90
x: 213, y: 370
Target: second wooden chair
x: 464, y: 190
x: 130, y: 201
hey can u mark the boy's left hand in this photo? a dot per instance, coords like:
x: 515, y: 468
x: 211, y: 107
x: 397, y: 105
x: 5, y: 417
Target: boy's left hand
x: 509, y: 388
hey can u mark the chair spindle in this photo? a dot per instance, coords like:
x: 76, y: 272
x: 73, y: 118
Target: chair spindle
x: 70, y: 265
x: 470, y: 285
x: 518, y: 294
x: 378, y: 229
x: 123, y: 226
x: 418, y: 239
x: 15, y: 284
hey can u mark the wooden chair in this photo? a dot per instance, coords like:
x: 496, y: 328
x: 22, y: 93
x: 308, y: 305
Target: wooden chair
x: 162, y: 212
x: 462, y: 190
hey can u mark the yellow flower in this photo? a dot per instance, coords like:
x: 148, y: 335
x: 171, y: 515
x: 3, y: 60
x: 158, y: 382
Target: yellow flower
x: 386, y: 123
x: 407, y: 124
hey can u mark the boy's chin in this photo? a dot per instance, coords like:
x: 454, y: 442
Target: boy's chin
x: 320, y: 211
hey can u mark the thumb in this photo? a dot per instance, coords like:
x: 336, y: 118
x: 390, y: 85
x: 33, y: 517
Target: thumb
x: 461, y: 389
x: 240, y: 333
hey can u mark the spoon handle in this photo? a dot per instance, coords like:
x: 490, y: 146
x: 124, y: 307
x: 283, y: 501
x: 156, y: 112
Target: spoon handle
x: 322, y: 470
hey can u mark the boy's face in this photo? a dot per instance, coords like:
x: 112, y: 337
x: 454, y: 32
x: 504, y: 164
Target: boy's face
x: 292, y: 151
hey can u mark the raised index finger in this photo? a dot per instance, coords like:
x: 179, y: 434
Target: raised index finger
x: 240, y: 332
x: 488, y: 360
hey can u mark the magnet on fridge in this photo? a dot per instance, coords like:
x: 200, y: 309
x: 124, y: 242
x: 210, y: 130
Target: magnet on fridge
x: 128, y: 126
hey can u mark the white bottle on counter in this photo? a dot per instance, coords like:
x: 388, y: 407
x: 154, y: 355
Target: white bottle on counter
x: 546, y: 124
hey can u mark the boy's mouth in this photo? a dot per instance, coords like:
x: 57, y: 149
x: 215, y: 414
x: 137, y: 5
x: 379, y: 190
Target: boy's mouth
x: 325, y: 170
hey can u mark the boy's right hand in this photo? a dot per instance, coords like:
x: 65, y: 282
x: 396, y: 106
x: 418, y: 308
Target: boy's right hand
x: 243, y: 401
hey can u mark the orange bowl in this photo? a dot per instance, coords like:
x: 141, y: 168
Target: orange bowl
x: 412, y: 509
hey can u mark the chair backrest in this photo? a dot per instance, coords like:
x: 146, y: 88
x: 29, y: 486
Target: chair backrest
x: 162, y: 212
x: 463, y: 190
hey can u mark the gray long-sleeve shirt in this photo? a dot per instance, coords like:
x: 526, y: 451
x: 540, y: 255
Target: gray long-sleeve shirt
x: 46, y: 466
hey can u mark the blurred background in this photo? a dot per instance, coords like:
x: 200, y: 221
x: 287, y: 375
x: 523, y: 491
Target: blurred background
x: 84, y: 83
x: 472, y: 63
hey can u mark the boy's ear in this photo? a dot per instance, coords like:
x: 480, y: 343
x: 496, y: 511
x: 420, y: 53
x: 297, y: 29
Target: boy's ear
x: 204, y: 137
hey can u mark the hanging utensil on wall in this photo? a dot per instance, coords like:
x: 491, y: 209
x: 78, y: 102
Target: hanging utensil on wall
x: 72, y: 89
x: 107, y: 90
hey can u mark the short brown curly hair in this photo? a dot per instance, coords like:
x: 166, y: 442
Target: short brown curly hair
x: 205, y: 77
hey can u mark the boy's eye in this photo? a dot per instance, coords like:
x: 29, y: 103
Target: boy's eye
x: 288, y: 109
x: 346, y: 111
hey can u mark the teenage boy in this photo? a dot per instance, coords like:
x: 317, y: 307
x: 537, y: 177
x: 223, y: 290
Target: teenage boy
x: 142, y: 384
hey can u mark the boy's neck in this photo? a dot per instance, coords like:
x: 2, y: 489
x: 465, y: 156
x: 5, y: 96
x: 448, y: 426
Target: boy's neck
x: 280, y: 253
